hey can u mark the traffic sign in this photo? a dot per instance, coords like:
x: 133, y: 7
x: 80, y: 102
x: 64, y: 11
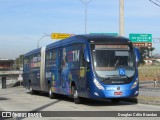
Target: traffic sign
x: 59, y: 35
x: 142, y: 44
x: 140, y: 37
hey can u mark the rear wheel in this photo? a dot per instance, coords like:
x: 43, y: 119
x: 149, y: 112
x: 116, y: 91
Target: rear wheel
x: 31, y: 90
x: 77, y: 99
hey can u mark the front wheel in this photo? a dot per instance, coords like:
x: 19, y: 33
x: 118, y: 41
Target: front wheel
x: 115, y: 100
x: 77, y: 99
x: 50, y: 93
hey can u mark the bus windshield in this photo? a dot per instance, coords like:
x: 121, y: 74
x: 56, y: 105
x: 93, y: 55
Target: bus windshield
x: 109, y: 59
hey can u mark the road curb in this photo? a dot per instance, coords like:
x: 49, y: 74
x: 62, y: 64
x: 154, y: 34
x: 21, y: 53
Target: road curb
x: 150, y: 89
x: 149, y: 100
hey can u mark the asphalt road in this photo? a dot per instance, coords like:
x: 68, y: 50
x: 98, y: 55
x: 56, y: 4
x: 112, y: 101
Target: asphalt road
x: 19, y: 99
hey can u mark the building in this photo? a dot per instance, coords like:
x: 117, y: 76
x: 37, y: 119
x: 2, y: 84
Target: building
x: 6, y: 64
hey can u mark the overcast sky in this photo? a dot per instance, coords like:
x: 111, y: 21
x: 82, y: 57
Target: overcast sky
x: 24, y: 22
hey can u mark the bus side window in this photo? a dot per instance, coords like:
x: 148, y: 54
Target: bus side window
x: 83, y: 64
x: 82, y: 60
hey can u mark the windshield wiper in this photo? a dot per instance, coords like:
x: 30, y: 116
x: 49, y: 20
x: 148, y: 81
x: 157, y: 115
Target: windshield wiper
x: 127, y: 76
x: 114, y: 76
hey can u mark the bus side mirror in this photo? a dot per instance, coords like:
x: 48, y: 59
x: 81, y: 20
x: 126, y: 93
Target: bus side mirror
x: 86, y: 55
x: 137, y: 54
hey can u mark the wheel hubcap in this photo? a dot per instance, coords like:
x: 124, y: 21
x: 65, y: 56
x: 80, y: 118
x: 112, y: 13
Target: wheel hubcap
x: 75, y: 94
x: 30, y: 89
x: 50, y: 92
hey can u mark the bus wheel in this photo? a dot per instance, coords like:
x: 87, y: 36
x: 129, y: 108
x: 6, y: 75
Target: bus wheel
x: 77, y: 99
x: 135, y: 100
x: 30, y: 89
x: 51, y: 94
x: 115, y: 100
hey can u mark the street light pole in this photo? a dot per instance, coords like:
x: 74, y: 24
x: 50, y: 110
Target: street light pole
x: 86, y: 5
x: 86, y: 18
x: 121, y: 17
x: 41, y: 39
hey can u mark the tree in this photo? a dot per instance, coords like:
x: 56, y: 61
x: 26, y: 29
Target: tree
x: 19, y: 62
x: 151, y: 50
x: 147, y: 52
x: 144, y: 52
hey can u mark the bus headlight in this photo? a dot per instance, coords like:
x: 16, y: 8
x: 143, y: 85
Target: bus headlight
x: 98, y: 85
x: 135, y: 84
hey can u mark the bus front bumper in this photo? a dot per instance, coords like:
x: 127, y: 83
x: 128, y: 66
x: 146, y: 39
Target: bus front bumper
x: 116, y: 91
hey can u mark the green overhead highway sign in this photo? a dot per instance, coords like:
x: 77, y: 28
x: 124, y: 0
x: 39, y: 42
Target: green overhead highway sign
x: 140, y: 37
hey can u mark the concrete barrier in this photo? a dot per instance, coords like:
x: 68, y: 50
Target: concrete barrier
x: 3, y: 82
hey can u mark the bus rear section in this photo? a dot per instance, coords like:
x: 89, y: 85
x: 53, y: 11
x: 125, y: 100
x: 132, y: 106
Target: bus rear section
x: 34, y: 70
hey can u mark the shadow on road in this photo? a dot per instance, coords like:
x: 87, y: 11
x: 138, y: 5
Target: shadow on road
x: 3, y: 98
x: 106, y: 102
x: 45, y: 106
x: 90, y: 102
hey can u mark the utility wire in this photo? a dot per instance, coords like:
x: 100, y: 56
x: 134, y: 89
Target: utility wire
x: 154, y: 3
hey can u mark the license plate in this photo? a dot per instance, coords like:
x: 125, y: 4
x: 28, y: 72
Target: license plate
x: 118, y: 93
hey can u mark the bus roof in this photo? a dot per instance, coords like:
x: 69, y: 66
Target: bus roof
x: 104, y: 37
x: 33, y: 52
x: 97, y: 38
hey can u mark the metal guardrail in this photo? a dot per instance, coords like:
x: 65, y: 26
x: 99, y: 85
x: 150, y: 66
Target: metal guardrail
x: 11, y: 72
x: 156, y: 83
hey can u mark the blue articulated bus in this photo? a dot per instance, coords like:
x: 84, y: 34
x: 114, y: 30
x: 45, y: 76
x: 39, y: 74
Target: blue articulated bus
x: 84, y: 66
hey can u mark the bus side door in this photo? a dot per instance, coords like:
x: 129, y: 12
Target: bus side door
x: 83, y: 77
x: 59, y: 70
